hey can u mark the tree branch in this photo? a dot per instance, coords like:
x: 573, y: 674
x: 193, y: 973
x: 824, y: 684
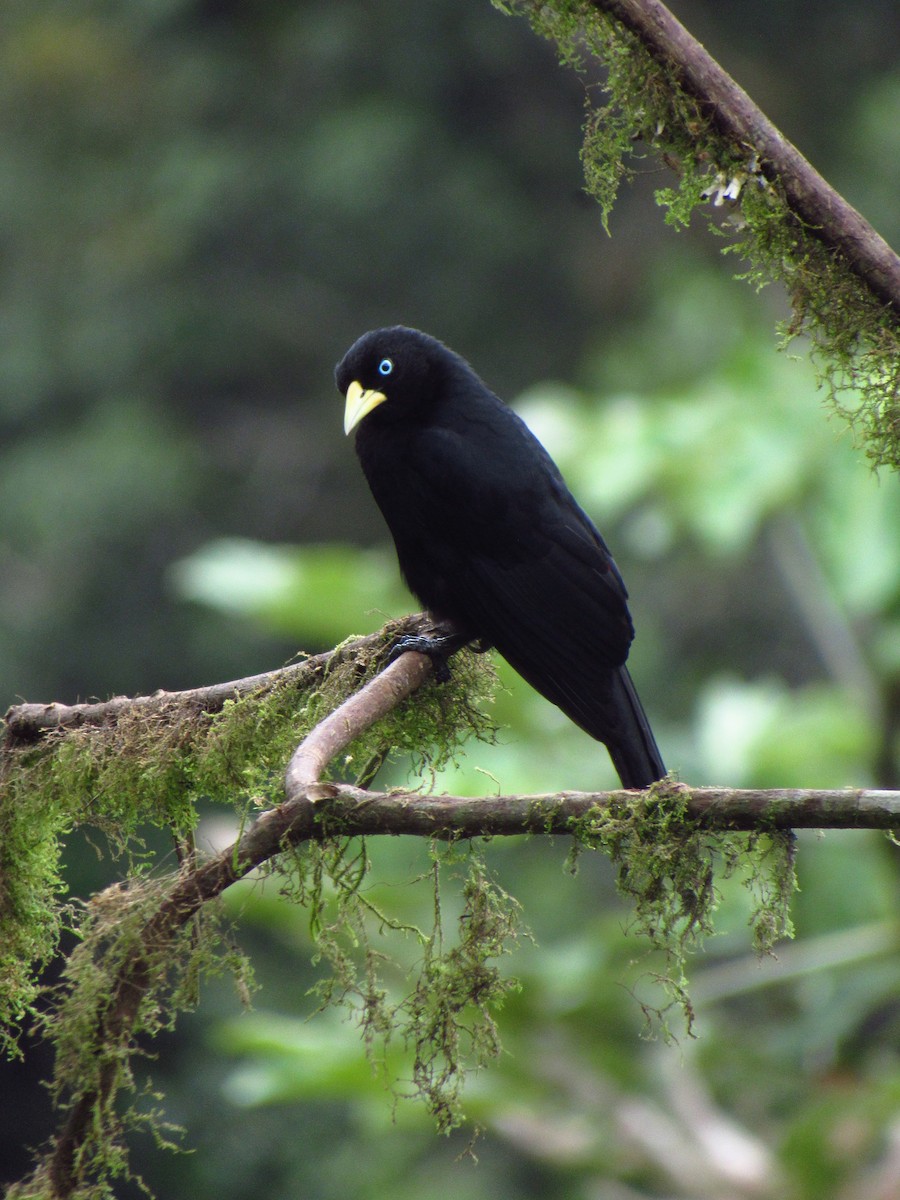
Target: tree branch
x: 357, y: 813
x: 813, y: 200
x: 28, y: 723
x: 382, y: 694
x: 313, y: 809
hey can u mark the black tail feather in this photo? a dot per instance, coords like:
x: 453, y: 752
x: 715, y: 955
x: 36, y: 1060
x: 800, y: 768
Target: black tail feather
x: 634, y: 753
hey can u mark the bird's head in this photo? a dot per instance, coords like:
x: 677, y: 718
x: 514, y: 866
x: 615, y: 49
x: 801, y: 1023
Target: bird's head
x: 393, y: 370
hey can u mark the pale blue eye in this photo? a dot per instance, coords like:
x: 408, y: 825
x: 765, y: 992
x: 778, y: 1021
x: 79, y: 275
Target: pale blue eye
x: 385, y: 367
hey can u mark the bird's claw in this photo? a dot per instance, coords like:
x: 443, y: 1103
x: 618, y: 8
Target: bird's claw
x: 437, y: 648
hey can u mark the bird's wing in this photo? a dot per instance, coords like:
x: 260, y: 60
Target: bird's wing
x: 562, y: 605
x: 560, y: 625
x: 533, y: 574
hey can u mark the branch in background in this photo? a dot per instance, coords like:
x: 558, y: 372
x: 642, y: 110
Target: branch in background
x: 666, y: 92
x: 812, y: 199
x: 827, y: 622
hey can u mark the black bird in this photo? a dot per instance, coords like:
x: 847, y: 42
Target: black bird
x: 490, y: 539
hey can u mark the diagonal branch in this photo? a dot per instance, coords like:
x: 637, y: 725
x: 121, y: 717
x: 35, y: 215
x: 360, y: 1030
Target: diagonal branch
x: 811, y: 198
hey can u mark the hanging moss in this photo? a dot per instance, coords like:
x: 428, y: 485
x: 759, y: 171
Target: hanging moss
x: 442, y: 1017
x: 148, y: 770
x: 151, y: 767
x: 668, y: 868
x: 854, y: 336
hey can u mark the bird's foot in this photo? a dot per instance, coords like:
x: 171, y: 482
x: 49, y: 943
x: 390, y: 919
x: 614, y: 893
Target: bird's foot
x: 438, y: 648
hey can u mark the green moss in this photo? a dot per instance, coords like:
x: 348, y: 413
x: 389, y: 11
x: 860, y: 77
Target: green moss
x: 448, y: 1019
x: 436, y: 1002
x: 854, y: 336
x: 668, y: 867
x: 32, y: 902
x: 149, y: 770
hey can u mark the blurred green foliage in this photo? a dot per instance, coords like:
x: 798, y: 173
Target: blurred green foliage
x: 203, y: 202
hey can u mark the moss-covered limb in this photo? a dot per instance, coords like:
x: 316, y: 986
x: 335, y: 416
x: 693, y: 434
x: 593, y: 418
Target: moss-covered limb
x: 135, y: 970
x: 129, y: 764
x: 119, y: 978
x: 149, y: 764
x: 358, y: 813
x: 818, y: 206
x: 28, y: 723
x: 733, y: 167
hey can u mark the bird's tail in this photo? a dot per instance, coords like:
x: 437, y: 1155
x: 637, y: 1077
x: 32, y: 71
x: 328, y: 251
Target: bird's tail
x: 634, y: 753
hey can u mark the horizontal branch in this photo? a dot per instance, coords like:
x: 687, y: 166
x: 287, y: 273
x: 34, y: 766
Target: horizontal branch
x: 27, y: 723
x: 823, y: 210
x: 356, y: 813
x: 313, y: 809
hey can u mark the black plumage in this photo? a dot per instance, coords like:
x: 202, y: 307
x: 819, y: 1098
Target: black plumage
x: 490, y: 539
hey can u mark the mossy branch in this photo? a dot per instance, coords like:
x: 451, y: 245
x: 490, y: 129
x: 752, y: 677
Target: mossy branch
x: 666, y: 93
x: 290, y: 823
x: 814, y: 202
x: 358, y: 813
x: 54, y: 753
x: 660, y: 840
x: 26, y: 724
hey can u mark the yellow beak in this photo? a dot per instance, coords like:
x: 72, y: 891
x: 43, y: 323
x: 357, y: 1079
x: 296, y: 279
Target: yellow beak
x: 360, y: 402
